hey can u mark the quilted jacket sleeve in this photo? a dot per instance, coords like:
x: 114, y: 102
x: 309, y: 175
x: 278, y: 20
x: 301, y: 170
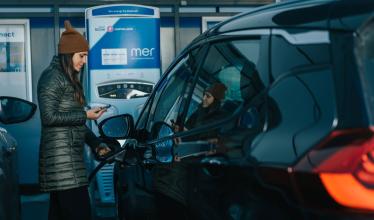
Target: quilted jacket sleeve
x: 50, y: 91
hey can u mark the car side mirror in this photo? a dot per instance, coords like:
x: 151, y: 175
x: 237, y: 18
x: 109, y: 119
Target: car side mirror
x: 15, y: 110
x: 118, y: 127
x: 163, y: 148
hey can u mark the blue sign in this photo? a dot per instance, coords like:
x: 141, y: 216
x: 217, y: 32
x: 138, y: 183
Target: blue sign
x: 120, y: 10
x: 128, y: 43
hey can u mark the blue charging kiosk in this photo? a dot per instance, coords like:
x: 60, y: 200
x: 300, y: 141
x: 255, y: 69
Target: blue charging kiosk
x: 123, y: 68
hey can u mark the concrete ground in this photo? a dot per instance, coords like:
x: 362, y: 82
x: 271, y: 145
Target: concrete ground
x: 35, y: 207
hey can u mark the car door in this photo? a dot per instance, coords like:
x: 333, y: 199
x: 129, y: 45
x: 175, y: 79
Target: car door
x: 240, y: 62
x: 165, y: 105
x: 216, y: 147
x: 303, y: 91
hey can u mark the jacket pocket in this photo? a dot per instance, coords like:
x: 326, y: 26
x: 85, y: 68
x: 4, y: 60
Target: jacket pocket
x: 78, y: 137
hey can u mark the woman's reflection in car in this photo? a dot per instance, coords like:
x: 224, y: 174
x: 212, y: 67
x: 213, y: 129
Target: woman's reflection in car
x: 208, y: 111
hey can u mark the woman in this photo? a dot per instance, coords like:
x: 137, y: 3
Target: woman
x: 61, y: 101
x: 209, y: 109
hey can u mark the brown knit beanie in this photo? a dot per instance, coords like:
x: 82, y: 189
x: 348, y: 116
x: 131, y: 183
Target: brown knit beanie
x: 217, y: 90
x: 71, y: 41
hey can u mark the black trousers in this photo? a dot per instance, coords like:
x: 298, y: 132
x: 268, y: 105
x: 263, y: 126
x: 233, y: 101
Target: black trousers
x: 71, y: 204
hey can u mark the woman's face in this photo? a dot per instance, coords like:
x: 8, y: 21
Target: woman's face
x: 79, y: 59
x: 208, y: 99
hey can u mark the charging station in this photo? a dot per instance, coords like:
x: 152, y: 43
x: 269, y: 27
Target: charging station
x: 123, y: 68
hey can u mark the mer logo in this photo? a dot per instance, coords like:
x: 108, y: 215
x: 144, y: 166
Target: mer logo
x: 142, y: 52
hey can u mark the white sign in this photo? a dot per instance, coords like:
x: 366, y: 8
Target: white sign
x: 15, y: 62
x: 12, y: 33
x: 114, y: 56
x: 209, y: 22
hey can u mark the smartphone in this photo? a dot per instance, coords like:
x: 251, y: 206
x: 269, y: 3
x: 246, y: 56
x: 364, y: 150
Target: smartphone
x: 105, y: 106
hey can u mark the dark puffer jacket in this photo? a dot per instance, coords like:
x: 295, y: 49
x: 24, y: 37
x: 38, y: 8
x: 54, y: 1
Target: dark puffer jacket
x: 64, y: 132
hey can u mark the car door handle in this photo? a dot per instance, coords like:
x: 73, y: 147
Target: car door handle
x: 193, y: 148
x: 214, y: 161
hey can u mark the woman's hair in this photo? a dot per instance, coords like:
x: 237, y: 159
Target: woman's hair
x: 66, y: 61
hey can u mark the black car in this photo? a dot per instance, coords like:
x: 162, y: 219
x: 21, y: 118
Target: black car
x: 294, y: 138
x: 12, y: 110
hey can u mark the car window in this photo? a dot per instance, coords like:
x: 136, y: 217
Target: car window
x: 142, y: 121
x: 170, y: 94
x: 300, y: 109
x: 233, y: 73
x: 300, y: 102
x: 232, y: 64
x: 286, y: 56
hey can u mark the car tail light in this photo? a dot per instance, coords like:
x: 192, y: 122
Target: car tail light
x: 344, y: 162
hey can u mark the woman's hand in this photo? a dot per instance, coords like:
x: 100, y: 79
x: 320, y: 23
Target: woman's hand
x: 95, y: 113
x: 102, y: 149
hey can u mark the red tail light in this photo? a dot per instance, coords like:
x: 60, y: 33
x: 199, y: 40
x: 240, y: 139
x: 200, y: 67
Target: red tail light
x: 345, y: 165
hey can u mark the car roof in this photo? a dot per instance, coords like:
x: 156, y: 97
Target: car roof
x: 345, y: 15
x: 339, y: 15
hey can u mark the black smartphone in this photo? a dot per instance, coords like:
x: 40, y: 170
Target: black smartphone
x: 105, y: 106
